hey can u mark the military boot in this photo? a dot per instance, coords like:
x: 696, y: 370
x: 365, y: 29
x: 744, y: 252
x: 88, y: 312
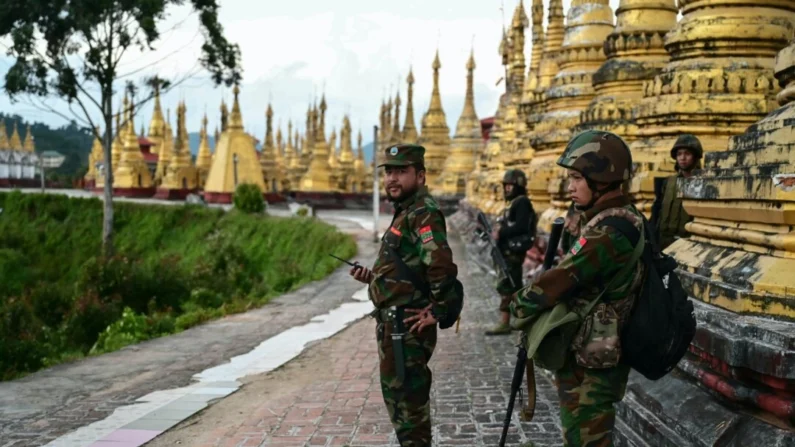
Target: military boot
x: 499, y: 329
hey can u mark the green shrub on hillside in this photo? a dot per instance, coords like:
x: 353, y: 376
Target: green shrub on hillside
x: 176, y: 266
x: 248, y: 198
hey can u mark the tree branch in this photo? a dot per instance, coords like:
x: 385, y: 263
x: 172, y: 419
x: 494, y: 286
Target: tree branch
x: 140, y: 69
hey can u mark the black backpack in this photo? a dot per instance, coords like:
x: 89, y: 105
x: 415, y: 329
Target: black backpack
x: 661, y: 325
x: 454, y: 307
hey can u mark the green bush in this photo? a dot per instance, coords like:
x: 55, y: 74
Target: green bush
x: 248, y: 198
x: 175, y: 267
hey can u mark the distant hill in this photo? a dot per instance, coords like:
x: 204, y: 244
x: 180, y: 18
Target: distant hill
x: 194, y: 145
x: 72, y: 141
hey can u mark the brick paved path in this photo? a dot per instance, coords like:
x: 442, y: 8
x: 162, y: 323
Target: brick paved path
x: 343, y: 404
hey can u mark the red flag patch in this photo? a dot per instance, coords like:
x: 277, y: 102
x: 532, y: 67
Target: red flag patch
x: 426, y: 234
x: 578, y: 245
x: 395, y: 231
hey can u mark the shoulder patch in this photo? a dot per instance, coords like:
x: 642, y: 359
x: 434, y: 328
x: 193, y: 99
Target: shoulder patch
x: 395, y: 231
x: 426, y: 234
x: 578, y: 245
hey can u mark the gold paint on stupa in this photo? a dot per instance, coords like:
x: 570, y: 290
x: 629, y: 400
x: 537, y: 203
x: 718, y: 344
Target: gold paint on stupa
x: 719, y: 81
x: 157, y: 127
x: 28, y: 145
x: 513, y: 128
x: 4, y: 145
x: 409, y: 132
x: 347, y: 171
x: 95, y: 156
x: 293, y: 160
x: 359, y: 182
x: 588, y: 24
x: 466, y: 145
x: 741, y: 254
x: 319, y: 177
x: 272, y: 176
x: 309, y: 139
x: 118, y: 142
x: 164, y: 148
x: 180, y: 174
x: 435, y: 136
x: 204, y: 158
x: 396, y: 135
x: 132, y: 171
x: 235, y: 161
x: 635, y: 54
x: 529, y: 107
x: 15, y: 142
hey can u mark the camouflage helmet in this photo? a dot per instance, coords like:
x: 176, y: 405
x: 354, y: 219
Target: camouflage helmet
x: 515, y: 177
x: 599, y: 156
x: 689, y: 142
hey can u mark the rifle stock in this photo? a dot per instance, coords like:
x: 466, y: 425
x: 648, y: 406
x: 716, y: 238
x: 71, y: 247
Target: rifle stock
x: 522, y: 361
x: 495, y: 252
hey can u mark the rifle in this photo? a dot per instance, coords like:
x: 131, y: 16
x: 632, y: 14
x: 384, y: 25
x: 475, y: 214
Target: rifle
x: 484, y: 232
x: 522, y: 361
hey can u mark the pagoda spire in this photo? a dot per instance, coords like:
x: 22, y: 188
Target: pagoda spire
x: 15, y: 143
x: 3, y: 136
x: 531, y: 82
x: 224, y: 116
x: 516, y: 72
x: 409, y: 129
x: 204, y: 158
x: 94, y: 157
x: 156, y: 124
x: 435, y: 133
x: 29, y: 146
x: 396, y: 137
x: 132, y: 171
x: 268, y: 158
x: 118, y: 142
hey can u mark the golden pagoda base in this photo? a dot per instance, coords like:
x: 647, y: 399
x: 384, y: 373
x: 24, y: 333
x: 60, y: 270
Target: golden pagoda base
x: 132, y: 192
x: 174, y: 194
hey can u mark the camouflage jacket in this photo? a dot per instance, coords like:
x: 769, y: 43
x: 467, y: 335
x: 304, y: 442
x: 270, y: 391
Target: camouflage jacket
x: 418, y: 233
x: 595, y: 258
x: 673, y: 216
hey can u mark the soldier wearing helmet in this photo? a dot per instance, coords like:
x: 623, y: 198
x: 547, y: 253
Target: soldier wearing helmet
x: 514, y: 237
x: 672, y: 217
x: 601, y: 268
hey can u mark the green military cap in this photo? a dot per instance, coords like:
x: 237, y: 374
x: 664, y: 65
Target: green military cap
x: 403, y: 155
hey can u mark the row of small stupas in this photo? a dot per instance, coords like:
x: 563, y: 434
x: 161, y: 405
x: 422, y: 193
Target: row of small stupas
x: 725, y: 73
x: 19, y: 163
x: 159, y: 163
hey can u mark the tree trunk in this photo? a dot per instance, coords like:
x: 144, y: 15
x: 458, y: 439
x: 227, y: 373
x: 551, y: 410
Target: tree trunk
x: 107, y: 195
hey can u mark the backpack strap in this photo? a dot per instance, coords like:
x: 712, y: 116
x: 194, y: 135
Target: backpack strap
x: 637, y: 238
x: 406, y: 272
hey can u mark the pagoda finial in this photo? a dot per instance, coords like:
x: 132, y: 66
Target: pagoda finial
x: 236, y: 120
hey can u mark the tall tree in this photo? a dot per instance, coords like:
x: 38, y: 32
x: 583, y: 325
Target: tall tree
x: 72, y: 48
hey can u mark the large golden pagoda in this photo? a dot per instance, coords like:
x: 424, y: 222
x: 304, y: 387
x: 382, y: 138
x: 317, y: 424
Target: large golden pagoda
x: 15, y: 143
x: 204, y: 158
x: 280, y: 165
x: 131, y: 176
x: 718, y: 82
x: 435, y: 136
x: 513, y: 128
x: 347, y: 159
x: 588, y: 24
x: 294, y: 168
x: 309, y: 138
x: 96, y: 155
x: 635, y: 54
x: 28, y: 145
x: 272, y: 177
x: 235, y: 160
x: 181, y: 175
x: 530, y: 104
x: 409, y: 132
x: 333, y: 158
x: 466, y: 143
x: 359, y: 181
x: 319, y: 177
x: 156, y: 134
x: 4, y: 145
x: 165, y: 147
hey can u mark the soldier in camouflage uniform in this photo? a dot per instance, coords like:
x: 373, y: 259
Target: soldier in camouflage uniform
x: 686, y: 153
x: 417, y: 234
x: 517, y: 227
x: 592, y: 379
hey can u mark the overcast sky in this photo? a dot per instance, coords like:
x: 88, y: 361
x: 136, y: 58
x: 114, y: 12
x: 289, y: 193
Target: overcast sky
x: 357, y: 49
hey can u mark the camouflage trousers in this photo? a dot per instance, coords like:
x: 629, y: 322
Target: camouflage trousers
x: 504, y: 287
x: 587, y: 396
x: 408, y: 403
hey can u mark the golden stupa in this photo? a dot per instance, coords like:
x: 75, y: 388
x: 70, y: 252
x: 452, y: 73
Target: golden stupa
x: 435, y: 136
x: 131, y: 176
x: 635, y: 54
x: 309, y: 139
x: 588, y: 24
x: 96, y: 155
x: 15, y: 143
x: 272, y: 176
x: 359, y: 181
x: 204, y: 158
x: 28, y: 145
x: 409, y: 132
x: 157, y: 135
x: 346, y: 172
x: 718, y: 82
x: 4, y: 145
x: 513, y: 128
x: 530, y: 103
x: 294, y: 168
x: 235, y: 161
x: 466, y: 145
x: 181, y: 175
x: 165, y: 148
x: 319, y: 177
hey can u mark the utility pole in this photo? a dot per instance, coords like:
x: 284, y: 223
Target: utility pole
x: 376, y: 199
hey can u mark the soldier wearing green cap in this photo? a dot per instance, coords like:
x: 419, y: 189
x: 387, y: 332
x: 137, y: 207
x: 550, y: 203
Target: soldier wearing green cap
x: 601, y: 267
x: 415, y: 241
x: 671, y: 216
x: 514, y: 237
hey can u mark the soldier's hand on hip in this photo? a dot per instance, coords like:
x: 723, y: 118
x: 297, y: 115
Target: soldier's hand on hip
x: 422, y: 319
x: 362, y: 274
